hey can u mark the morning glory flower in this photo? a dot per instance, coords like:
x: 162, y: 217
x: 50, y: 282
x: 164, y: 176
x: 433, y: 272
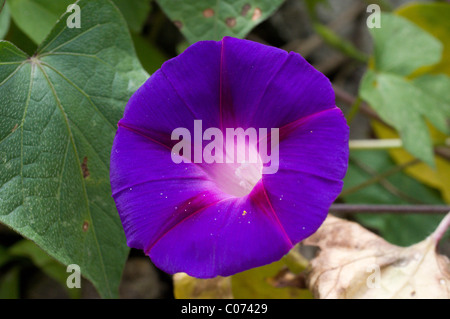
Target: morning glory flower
x: 227, y: 157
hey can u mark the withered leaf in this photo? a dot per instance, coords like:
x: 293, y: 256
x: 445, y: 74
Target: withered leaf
x: 355, y: 263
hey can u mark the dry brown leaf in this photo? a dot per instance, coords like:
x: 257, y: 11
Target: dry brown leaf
x: 355, y: 263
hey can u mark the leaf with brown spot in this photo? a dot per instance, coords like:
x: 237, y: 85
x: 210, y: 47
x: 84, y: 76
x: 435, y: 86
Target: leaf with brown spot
x: 245, y: 9
x: 257, y: 14
x: 66, y: 100
x: 346, y: 265
x: 214, y: 19
x: 231, y: 22
x: 208, y: 13
x: 84, y: 168
x: 85, y: 226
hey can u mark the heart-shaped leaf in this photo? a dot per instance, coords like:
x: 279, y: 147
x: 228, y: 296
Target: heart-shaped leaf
x: 58, y: 115
x: 432, y: 17
x: 401, y: 48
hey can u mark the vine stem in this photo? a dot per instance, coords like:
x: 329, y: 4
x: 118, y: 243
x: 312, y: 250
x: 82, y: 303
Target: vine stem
x: 354, y: 109
x: 384, y: 143
x: 442, y: 228
x: 374, y: 144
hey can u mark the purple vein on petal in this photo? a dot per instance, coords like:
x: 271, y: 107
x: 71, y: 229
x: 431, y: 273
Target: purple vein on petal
x: 260, y: 190
x: 221, y: 85
x: 304, y: 172
x: 198, y: 204
x: 178, y: 94
x: 291, y: 126
x: 267, y: 86
x: 158, y: 139
x: 159, y: 180
x: 147, y: 134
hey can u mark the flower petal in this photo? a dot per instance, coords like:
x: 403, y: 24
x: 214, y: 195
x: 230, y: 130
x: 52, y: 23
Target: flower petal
x: 195, y: 74
x: 268, y: 87
x: 182, y: 215
x: 156, y: 109
x: 230, y: 236
x: 313, y: 158
x: 151, y: 191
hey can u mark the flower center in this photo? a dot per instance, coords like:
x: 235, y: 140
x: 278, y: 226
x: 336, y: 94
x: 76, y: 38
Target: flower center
x: 238, y: 177
x: 248, y: 174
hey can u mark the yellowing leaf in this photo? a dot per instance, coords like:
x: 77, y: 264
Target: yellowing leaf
x: 187, y: 287
x: 273, y: 281
x: 283, y: 279
x: 438, y: 178
x: 433, y: 18
x: 355, y: 263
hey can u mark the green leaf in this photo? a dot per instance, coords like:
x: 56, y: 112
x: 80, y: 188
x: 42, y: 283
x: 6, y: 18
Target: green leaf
x: 4, y: 19
x: 37, y: 17
x: 397, y: 189
x: 400, y: 49
x: 134, y: 11
x: 433, y: 18
x: 406, y: 104
x: 214, y: 19
x: 9, y: 284
x: 58, y: 115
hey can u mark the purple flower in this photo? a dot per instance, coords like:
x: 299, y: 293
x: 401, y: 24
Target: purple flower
x: 209, y: 219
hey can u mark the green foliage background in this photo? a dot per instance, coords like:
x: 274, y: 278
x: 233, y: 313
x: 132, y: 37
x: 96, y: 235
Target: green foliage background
x: 63, y: 90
